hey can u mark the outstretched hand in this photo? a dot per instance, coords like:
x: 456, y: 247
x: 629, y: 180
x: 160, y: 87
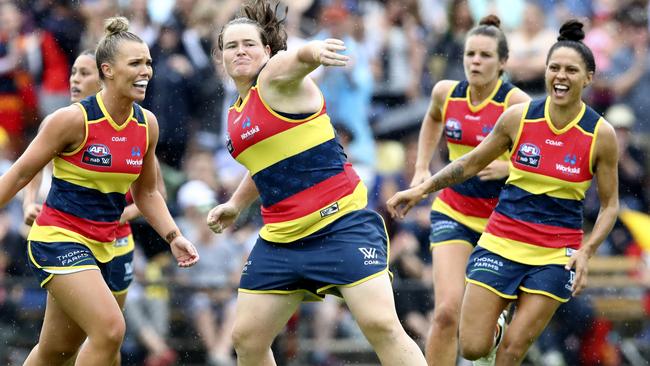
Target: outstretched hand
x: 329, y: 53
x: 184, y: 252
x: 221, y: 217
x: 30, y: 213
x: 401, y: 202
x: 579, y: 260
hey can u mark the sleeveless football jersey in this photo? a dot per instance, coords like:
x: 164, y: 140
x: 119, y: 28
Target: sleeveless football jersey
x: 466, y: 125
x: 89, y: 184
x: 298, y: 166
x: 539, y: 216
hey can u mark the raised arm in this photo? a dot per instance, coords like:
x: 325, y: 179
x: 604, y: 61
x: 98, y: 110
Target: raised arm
x: 606, y: 172
x: 61, y: 130
x: 465, y: 167
x: 430, y: 132
x: 284, y: 84
x: 151, y: 203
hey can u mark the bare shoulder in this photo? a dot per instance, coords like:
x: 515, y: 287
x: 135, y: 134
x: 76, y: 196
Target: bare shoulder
x: 151, y: 118
x: 509, y: 120
x: 442, y: 89
x: 606, y: 144
x: 70, y: 118
x: 518, y: 96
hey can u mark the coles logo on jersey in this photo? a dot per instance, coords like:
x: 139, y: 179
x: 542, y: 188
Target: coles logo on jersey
x: 97, y: 154
x: 529, y: 154
x: 453, y: 129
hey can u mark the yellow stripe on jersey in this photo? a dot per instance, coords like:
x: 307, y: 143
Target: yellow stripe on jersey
x: 475, y: 223
x: 105, y: 182
x: 103, y: 251
x: 288, y: 231
x: 570, y: 125
x: 525, y: 253
x: 458, y: 150
x: 592, y: 154
x: 287, y: 144
x: 83, y: 143
x: 543, y: 184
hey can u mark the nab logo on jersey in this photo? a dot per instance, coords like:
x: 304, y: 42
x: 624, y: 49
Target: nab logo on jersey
x: 529, y: 154
x: 97, y: 154
x: 453, y: 129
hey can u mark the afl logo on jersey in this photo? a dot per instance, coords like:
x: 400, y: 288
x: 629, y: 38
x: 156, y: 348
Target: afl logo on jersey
x: 97, y: 154
x: 529, y: 154
x: 453, y: 129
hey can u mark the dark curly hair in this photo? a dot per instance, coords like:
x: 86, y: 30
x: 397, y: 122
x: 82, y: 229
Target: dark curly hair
x: 571, y: 36
x: 264, y: 16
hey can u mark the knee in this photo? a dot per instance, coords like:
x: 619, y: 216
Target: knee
x: 446, y: 316
x: 381, y: 328
x: 514, y: 351
x: 475, y: 349
x: 110, y: 334
x: 57, y: 352
x: 247, y: 340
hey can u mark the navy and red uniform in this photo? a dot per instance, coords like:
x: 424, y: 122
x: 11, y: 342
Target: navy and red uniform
x: 317, y: 233
x: 538, y: 222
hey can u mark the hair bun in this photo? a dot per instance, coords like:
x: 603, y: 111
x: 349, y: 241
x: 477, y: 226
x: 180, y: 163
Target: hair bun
x: 490, y: 20
x: 571, y: 30
x: 116, y: 25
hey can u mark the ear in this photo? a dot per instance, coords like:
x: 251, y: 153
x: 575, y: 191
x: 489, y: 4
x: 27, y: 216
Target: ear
x: 107, y: 70
x: 589, y: 79
x: 267, y: 49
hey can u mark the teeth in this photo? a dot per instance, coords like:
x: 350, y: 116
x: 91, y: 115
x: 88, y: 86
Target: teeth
x: 141, y: 83
x: 561, y: 87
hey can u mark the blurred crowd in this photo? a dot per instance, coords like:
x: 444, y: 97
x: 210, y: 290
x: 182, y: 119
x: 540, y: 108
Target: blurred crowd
x: 399, y: 49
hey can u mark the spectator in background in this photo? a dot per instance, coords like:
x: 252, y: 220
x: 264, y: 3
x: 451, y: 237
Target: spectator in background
x: 629, y: 75
x: 214, y: 283
x: 141, y: 22
x: 529, y: 44
x: 399, y: 69
x: 170, y: 93
x: 348, y: 90
x: 446, y: 59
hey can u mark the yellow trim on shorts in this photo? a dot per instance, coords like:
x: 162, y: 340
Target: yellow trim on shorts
x: 490, y: 288
x: 308, y: 296
x: 449, y: 242
x: 324, y: 289
x: 121, y: 292
x: 120, y: 251
x: 544, y: 293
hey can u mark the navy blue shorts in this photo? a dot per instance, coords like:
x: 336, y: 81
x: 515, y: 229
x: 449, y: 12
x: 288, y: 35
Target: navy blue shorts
x: 444, y: 229
x: 120, y: 270
x: 49, y: 259
x: 349, y: 251
x: 506, y: 278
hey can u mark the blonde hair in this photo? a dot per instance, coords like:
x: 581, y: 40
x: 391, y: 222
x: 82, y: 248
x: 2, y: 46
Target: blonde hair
x: 116, y: 30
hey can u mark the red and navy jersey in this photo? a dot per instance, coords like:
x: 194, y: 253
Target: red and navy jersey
x: 539, y: 216
x: 298, y: 166
x: 89, y: 184
x: 466, y: 125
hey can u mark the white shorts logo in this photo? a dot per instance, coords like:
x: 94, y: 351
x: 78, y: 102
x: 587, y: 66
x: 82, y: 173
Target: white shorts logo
x: 369, y: 255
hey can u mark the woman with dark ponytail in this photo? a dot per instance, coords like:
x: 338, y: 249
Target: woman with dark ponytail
x: 466, y: 112
x: 318, y: 238
x: 532, y: 249
x: 100, y: 147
